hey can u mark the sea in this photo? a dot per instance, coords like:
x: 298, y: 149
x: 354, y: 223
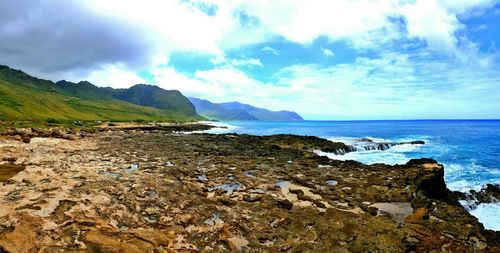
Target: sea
x: 469, y: 149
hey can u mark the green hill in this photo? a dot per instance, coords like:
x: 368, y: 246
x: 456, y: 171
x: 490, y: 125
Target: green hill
x: 154, y: 96
x: 23, y: 97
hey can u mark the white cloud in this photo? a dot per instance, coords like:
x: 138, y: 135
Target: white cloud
x: 382, y: 83
x: 430, y: 21
x: 247, y: 62
x: 116, y: 76
x: 271, y: 50
x: 467, y: 7
x: 303, y: 21
x: 366, y: 23
x: 327, y: 52
x: 392, y: 86
x: 223, y: 84
x: 170, y: 79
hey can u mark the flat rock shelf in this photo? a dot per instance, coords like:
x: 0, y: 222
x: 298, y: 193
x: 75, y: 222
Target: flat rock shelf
x: 159, y: 190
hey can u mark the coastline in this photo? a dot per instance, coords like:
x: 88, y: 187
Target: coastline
x: 136, y: 188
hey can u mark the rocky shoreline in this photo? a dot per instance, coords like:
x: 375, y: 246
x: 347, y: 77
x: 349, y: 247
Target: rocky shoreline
x: 156, y: 189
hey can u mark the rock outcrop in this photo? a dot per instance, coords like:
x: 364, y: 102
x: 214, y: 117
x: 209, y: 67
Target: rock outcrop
x: 144, y: 190
x: 471, y: 200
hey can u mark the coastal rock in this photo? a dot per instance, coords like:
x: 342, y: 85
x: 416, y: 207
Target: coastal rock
x: 284, y: 203
x: 26, y: 139
x: 489, y: 194
x: 69, y: 197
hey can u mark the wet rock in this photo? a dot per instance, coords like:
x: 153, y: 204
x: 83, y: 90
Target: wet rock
x: 202, y: 178
x: 133, y: 168
x: 331, y: 182
x: 228, y: 188
x: 489, y: 194
x: 284, y: 204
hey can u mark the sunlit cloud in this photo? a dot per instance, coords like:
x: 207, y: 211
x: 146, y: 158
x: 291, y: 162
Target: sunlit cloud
x: 357, y: 59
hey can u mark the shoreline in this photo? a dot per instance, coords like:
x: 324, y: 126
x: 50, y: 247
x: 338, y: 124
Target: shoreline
x: 153, y: 188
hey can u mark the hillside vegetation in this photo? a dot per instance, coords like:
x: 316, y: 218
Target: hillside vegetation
x: 23, y: 97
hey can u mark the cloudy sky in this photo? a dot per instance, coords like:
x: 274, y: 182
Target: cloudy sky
x: 331, y: 59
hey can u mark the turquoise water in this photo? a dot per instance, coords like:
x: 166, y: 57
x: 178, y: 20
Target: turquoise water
x: 469, y: 149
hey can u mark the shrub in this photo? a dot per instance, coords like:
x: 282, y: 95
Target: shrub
x: 51, y: 121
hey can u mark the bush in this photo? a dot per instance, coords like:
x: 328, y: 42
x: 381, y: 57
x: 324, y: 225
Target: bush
x: 51, y: 121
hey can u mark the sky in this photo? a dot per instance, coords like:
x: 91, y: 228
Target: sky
x: 331, y: 59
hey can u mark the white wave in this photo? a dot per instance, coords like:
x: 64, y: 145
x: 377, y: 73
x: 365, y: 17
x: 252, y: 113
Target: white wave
x: 219, y: 128
x: 357, y: 140
x: 489, y: 215
x: 463, y: 185
x: 468, y: 176
x: 369, y: 157
x: 393, y: 155
x: 404, y: 148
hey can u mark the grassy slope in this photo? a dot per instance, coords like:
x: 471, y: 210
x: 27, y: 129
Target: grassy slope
x: 148, y: 95
x: 26, y: 98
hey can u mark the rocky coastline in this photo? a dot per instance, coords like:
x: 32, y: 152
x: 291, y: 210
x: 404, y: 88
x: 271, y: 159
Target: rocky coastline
x: 154, y: 188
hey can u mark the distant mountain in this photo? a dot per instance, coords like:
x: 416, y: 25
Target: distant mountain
x: 24, y: 97
x: 239, y: 111
x: 217, y: 112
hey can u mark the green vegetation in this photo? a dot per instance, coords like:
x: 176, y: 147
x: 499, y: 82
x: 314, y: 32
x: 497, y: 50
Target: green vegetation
x: 26, y: 98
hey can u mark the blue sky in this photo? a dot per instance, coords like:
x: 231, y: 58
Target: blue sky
x: 365, y: 59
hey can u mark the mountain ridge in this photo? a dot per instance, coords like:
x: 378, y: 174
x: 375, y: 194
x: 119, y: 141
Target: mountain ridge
x: 240, y: 111
x: 25, y: 97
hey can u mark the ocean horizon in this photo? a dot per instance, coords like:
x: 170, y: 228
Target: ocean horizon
x: 469, y: 149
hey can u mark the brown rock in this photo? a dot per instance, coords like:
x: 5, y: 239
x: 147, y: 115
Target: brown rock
x: 285, y: 204
x: 26, y: 139
x: 9, y: 158
x: 418, y: 216
x: 369, y: 209
x: 23, y: 237
x: 185, y: 219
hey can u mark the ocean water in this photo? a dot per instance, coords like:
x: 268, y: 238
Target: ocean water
x: 469, y: 149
